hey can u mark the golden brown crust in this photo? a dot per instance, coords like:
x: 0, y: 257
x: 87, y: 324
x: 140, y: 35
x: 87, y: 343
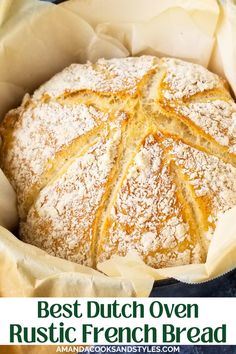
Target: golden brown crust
x: 134, y: 153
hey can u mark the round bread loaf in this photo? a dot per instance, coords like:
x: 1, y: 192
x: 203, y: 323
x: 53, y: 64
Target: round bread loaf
x: 124, y: 154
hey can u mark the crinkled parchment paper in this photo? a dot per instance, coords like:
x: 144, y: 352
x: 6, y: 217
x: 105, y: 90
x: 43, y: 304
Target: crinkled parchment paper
x: 39, y: 39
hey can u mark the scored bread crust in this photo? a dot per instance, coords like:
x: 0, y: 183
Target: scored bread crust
x: 124, y: 154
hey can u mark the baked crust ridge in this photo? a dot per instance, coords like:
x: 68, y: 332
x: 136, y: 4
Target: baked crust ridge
x: 124, y: 154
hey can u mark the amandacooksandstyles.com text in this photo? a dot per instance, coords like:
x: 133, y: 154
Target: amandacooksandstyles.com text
x: 119, y: 349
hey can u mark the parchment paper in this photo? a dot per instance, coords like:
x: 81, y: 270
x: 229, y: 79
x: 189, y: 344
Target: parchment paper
x: 220, y: 259
x: 8, y: 214
x: 39, y: 39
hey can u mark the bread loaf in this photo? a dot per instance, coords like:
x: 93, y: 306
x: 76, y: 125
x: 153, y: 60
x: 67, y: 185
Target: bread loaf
x: 124, y: 154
